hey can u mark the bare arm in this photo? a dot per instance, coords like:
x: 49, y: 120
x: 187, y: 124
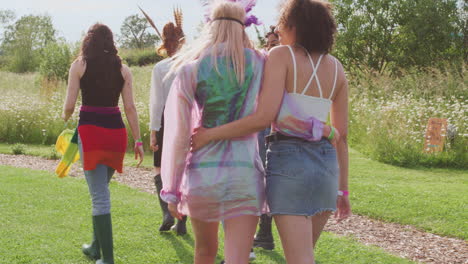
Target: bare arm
x: 273, y: 85
x: 339, y: 119
x: 129, y: 104
x: 75, y: 73
x: 130, y: 110
x: 269, y: 103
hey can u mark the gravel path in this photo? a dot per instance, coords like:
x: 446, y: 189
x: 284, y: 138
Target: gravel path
x: 404, y: 241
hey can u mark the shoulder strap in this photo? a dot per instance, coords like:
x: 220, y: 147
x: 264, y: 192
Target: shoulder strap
x: 295, y: 68
x: 314, y: 75
x: 336, y: 77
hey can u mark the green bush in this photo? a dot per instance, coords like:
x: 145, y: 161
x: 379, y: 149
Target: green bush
x: 18, y: 149
x: 55, y: 62
x: 140, y: 57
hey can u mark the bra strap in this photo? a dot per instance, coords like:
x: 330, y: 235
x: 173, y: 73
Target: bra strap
x: 295, y: 68
x: 336, y: 77
x: 314, y: 75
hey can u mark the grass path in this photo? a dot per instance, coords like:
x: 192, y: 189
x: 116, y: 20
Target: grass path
x: 433, y: 200
x: 45, y: 220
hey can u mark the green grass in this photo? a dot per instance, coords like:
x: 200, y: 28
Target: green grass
x: 429, y: 199
x: 45, y: 220
x: 434, y: 200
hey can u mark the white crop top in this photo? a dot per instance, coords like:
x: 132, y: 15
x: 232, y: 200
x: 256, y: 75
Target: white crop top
x: 318, y: 107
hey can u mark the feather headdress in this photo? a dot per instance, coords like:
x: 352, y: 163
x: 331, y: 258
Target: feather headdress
x: 247, y: 4
x: 178, y: 18
x: 151, y: 22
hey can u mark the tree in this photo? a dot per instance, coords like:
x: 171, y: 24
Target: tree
x: 24, y: 41
x: 393, y: 35
x: 6, y: 16
x: 135, y: 33
x: 55, y: 61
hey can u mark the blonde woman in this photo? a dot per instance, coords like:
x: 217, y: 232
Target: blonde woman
x: 218, y: 81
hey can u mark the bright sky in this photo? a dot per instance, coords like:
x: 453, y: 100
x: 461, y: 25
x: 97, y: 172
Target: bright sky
x: 73, y: 17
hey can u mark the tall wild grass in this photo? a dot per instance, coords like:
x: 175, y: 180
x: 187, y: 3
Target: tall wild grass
x: 388, y: 115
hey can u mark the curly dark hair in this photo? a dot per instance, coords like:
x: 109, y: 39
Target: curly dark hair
x: 171, y: 38
x: 314, y: 23
x: 98, y: 45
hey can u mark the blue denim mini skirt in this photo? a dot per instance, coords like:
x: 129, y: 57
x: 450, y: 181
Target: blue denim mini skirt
x: 301, y: 177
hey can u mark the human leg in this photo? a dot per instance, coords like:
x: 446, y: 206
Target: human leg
x: 239, y: 233
x: 318, y: 223
x: 168, y: 220
x: 296, y: 237
x: 98, y: 184
x: 264, y: 236
x: 206, y: 241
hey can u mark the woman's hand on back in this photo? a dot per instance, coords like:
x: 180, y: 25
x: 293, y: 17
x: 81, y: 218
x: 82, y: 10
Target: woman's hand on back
x: 336, y: 136
x: 200, y: 138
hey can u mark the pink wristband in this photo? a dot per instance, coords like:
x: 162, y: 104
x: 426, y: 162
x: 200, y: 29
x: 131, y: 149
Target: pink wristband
x: 343, y: 193
x: 138, y: 144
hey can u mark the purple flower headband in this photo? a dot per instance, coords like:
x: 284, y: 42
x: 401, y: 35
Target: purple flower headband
x: 247, y: 4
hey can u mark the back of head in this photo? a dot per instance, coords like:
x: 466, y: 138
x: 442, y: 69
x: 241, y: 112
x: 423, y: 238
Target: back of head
x: 314, y: 23
x: 172, y: 36
x: 226, y: 27
x: 98, y: 44
x: 98, y: 50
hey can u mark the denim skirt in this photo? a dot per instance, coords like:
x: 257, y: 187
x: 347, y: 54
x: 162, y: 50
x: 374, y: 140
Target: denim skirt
x: 301, y: 177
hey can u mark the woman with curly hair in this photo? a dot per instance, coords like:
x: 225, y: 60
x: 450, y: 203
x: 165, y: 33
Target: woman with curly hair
x: 101, y: 135
x: 307, y: 161
x: 161, y: 81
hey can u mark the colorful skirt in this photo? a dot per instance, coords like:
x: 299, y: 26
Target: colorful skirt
x: 103, y: 137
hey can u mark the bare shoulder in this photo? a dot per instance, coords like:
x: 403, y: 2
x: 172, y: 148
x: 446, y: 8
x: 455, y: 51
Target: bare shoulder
x: 78, y: 66
x: 338, y: 62
x: 279, y: 52
x: 341, y: 78
x: 126, y: 72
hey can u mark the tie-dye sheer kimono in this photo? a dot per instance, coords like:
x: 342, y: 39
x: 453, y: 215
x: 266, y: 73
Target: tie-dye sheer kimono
x: 225, y: 178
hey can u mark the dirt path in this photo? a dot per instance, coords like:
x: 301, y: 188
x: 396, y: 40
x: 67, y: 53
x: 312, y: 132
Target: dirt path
x: 399, y: 240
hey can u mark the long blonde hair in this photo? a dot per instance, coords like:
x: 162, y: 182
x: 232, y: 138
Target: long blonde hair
x: 216, y: 32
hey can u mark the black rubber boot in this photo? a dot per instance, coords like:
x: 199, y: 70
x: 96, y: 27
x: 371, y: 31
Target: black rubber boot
x: 168, y: 220
x: 92, y: 251
x: 181, y: 227
x: 264, y: 238
x: 104, y: 237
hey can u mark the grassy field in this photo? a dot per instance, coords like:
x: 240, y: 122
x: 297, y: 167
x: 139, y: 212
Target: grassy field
x: 45, y: 220
x: 391, y: 111
x: 430, y: 199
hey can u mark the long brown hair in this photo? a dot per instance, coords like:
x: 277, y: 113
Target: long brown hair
x: 98, y: 45
x: 103, y: 65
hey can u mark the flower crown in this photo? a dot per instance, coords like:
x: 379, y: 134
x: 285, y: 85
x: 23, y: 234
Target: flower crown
x: 247, y: 4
